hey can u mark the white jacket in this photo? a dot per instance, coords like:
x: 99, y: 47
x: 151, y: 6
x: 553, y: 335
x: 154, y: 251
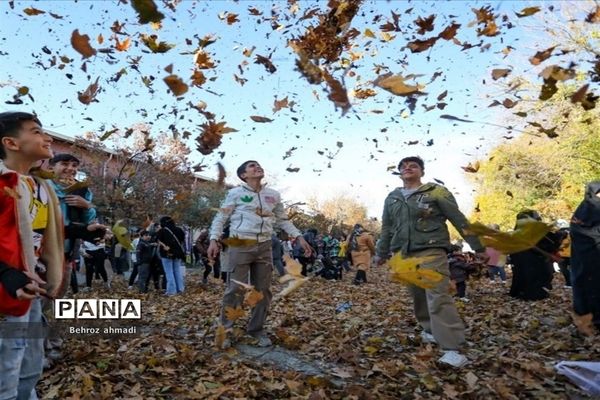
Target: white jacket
x: 252, y: 215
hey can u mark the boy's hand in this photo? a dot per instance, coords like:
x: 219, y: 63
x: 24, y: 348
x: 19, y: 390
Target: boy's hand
x: 32, y: 289
x: 77, y: 201
x: 305, y: 246
x: 213, y: 249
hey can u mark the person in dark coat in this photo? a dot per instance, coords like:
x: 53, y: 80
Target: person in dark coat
x: 585, y: 254
x: 171, y: 239
x: 459, y: 272
x: 532, y: 268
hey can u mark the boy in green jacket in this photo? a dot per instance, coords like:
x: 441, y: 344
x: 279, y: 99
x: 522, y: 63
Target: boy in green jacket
x: 414, y: 224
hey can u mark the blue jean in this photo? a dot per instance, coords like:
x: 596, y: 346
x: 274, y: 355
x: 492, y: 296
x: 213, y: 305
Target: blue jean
x: 497, y: 270
x: 22, y: 359
x: 174, y: 275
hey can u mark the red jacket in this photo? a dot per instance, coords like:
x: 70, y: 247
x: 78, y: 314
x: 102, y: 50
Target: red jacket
x: 16, y: 239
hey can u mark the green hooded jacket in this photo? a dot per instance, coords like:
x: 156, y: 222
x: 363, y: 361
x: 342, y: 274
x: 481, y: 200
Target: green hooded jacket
x: 419, y: 221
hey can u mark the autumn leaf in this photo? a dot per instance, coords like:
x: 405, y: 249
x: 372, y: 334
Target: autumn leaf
x: 337, y: 93
x: 417, y: 46
x: 584, y: 324
x: 234, y: 314
x: 220, y: 336
x: 453, y: 118
x: 238, y: 242
x: 587, y: 100
x: 122, y: 234
x: 100, y: 39
x: 292, y: 286
x: 293, y: 170
x: 42, y: 173
x: 198, y: 78
x: 548, y: 90
x: 526, y: 236
x: 124, y: 45
x: 151, y: 42
x: 265, y: 62
x: 279, y: 104
x: 33, y: 11
x: 557, y: 73
x: 526, y: 12
x: 258, y: 118
x: 292, y: 267
x: 364, y: 93
x: 425, y: 24
x: 89, y: 94
x: 176, y: 84
x: 211, y: 135
x: 221, y: 175
x: 541, y: 56
x: 203, y: 61
x: 81, y: 43
x: 77, y: 186
x: 409, y: 271
x: 369, y: 33
x: 472, y: 168
x: 500, y: 73
x: 449, y: 32
x: 395, y: 84
x: 594, y: 16
x: 252, y: 297
x: 147, y: 11
x: 231, y: 18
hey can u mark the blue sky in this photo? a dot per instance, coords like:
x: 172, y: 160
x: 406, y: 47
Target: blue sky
x: 371, y: 141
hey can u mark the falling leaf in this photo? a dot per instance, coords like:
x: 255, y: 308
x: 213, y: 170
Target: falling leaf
x: 231, y: 18
x: 238, y: 242
x: 395, y: 84
x: 100, y: 39
x: 81, y: 43
x: 587, y: 100
x: 450, y: 32
x: 594, y: 16
x: 151, y: 41
x: 500, y: 73
x: 369, y: 33
x: 548, y: 90
x: 364, y: 93
x: 198, y: 78
x: 266, y: 62
x: 409, y: 271
x: 337, y: 92
x: 472, y: 168
x: 292, y: 267
x: 252, y: 297
x: 89, y: 94
x: 526, y: 236
x: 417, y: 46
x: 425, y: 24
x: 221, y: 175
x: 293, y: 285
x: 176, y: 84
x: 290, y: 169
x: 541, y: 56
x: 124, y: 45
x: 211, y: 135
x: 258, y: 118
x: 279, y: 104
x: 33, y: 11
x: 509, y: 194
x: 442, y: 95
x: 147, y: 11
x: 233, y: 314
x: 557, y: 73
x: 526, y: 12
x: 121, y: 233
x: 453, y: 118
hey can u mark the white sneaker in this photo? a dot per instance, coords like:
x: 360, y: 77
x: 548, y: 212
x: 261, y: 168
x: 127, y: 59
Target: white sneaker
x: 464, y: 299
x: 427, y: 337
x: 454, y: 359
x: 129, y: 287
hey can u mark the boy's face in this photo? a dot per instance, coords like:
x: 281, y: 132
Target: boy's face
x: 65, y: 169
x: 410, y: 170
x: 146, y: 238
x: 253, y: 171
x: 31, y: 142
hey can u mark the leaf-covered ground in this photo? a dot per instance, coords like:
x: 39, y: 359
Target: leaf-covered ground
x: 372, y: 351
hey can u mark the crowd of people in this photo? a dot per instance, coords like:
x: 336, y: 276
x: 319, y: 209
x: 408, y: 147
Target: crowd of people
x: 44, y: 219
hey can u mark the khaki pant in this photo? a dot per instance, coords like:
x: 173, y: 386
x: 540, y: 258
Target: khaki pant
x: 256, y: 261
x: 434, y: 308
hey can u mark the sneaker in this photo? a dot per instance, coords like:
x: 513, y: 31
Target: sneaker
x: 129, y: 287
x: 427, y: 337
x: 464, y: 299
x: 86, y: 289
x: 568, y: 287
x: 454, y: 359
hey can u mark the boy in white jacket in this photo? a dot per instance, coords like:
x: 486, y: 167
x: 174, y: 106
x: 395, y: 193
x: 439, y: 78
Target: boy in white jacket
x: 252, y: 211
